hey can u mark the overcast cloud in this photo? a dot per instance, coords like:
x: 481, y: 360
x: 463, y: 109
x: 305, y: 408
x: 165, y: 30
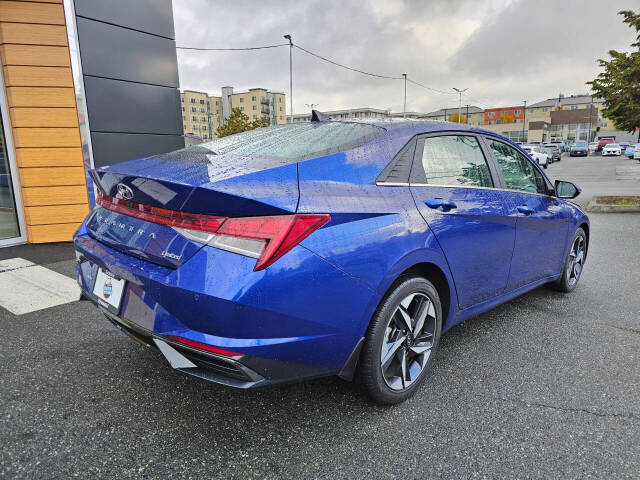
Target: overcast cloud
x: 504, y: 51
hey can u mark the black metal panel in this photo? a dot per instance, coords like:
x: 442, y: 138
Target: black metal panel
x: 110, y: 148
x: 117, y: 106
x: 116, y: 52
x: 151, y: 16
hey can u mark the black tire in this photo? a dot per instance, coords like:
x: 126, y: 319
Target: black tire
x: 370, y: 375
x: 544, y: 166
x: 565, y: 284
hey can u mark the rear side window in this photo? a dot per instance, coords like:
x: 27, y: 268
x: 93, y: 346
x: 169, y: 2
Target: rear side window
x: 295, y: 142
x: 519, y: 173
x: 455, y: 160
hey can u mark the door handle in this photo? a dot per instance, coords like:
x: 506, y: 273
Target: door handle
x: 446, y: 205
x: 524, y: 209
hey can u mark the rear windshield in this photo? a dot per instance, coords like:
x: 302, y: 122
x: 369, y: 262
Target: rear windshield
x: 580, y: 144
x: 295, y: 142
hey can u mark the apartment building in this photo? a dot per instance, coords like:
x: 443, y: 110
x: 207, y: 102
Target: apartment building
x: 474, y: 115
x: 203, y: 114
x: 196, y: 113
x: 365, y: 112
x: 504, y: 115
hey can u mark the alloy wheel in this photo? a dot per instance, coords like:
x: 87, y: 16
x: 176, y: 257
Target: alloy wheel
x: 408, y: 341
x: 576, y: 261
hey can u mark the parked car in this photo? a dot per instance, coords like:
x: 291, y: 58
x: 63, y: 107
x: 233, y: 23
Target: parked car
x: 612, y: 149
x: 537, y: 154
x: 553, y: 151
x: 579, y: 148
x: 636, y: 153
x: 324, y: 248
x: 603, y: 141
x: 631, y: 150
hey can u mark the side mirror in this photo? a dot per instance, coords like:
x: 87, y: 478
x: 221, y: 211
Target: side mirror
x: 566, y: 189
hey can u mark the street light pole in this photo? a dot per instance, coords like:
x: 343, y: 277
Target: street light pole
x: 524, y: 118
x: 460, y: 92
x: 288, y: 37
x: 404, y: 111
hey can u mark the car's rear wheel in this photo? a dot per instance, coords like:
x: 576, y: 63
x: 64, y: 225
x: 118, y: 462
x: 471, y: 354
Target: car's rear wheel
x: 401, y: 341
x: 573, y: 264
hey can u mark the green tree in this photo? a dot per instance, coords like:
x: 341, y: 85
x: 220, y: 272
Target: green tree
x: 619, y: 84
x: 239, y: 122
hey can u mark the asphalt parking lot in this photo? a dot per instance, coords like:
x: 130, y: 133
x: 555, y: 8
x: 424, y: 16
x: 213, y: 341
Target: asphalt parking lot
x: 546, y: 386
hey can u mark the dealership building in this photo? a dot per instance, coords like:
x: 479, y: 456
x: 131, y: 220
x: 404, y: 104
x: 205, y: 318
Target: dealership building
x: 85, y: 83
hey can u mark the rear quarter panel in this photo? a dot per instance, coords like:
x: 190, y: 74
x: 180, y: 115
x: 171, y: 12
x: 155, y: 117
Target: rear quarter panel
x: 375, y: 232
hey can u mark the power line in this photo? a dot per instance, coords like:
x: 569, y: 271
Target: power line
x: 377, y: 75
x: 429, y: 88
x: 232, y: 49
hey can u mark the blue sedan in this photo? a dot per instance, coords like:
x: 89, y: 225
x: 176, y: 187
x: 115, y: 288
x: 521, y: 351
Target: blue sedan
x: 324, y: 248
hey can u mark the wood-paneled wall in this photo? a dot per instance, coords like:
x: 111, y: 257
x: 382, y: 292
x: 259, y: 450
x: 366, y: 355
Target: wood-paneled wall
x: 36, y: 68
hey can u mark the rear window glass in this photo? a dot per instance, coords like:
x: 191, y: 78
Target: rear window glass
x: 296, y: 142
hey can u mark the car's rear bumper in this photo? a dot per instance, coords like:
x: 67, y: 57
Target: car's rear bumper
x: 300, y: 318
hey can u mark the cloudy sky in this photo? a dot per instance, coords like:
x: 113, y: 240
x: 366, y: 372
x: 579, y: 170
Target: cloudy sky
x: 503, y: 51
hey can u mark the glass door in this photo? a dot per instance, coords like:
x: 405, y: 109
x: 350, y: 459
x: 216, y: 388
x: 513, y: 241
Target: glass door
x: 11, y: 218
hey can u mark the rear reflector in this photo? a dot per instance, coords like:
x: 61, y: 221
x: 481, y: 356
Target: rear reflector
x: 204, y: 346
x: 266, y: 238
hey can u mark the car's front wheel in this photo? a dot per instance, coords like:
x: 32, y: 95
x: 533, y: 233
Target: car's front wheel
x: 401, y: 341
x: 573, y: 264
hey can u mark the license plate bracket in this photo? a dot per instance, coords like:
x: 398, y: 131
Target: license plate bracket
x: 108, y: 290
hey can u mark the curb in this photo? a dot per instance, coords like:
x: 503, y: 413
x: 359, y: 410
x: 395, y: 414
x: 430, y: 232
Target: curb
x: 593, y: 207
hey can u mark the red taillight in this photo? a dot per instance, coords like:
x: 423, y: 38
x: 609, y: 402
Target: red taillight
x: 172, y: 218
x: 266, y: 238
x: 204, y: 346
x: 280, y: 233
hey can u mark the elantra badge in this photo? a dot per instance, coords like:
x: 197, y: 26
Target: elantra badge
x: 124, y: 192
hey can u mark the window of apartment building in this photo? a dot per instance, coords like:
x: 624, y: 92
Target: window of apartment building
x: 241, y: 99
x: 193, y: 119
x: 192, y: 100
x: 201, y: 102
x: 203, y: 119
x: 254, y: 108
x: 545, y: 109
x: 603, y: 124
x: 193, y: 109
x: 217, y: 111
x: 280, y: 99
x: 516, y: 112
x: 217, y: 102
x: 280, y: 117
x: 182, y: 99
x: 242, y: 109
x: 202, y: 110
x: 204, y: 127
x: 183, y: 109
x: 184, y: 119
x: 517, y: 120
x: 262, y: 99
x: 492, y: 114
x: 574, y: 107
x: 255, y: 116
x: 253, y: 98
x: 280, y: 108
x: 531, y: 110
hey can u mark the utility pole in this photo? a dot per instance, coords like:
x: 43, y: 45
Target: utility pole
x: 460, y: 92
x: 467, y: 115
x: 288, y: 37
x: 404, y: 111
x: 524, y: 118
x: 590, y: 117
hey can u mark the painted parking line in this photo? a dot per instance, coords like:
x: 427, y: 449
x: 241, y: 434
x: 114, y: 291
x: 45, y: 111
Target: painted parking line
x: 26, y: 287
